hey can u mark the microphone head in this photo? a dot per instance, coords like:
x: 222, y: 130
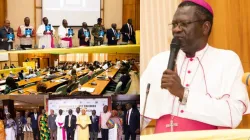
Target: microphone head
x: 175, y: 44
x: 246, y: 78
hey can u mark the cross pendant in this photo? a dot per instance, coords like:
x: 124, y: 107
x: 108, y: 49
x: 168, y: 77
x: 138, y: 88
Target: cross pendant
x: 172, y: 125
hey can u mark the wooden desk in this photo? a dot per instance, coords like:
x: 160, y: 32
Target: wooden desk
x: 32, y: 89
x: 101, y: 84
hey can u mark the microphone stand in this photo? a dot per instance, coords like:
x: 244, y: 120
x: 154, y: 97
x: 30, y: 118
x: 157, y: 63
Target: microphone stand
x: 145, y: 104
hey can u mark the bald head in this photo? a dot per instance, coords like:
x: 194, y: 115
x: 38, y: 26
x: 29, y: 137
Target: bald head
x: 65, y: 23
x: 7, y: 23
x: 27, y: 21
x: 45, y: 21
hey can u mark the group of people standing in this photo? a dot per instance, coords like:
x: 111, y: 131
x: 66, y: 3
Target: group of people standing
x: 47, y: 39
x: 72, y: 127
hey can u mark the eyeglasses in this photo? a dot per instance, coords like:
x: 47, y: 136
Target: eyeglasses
x: 182, y: 25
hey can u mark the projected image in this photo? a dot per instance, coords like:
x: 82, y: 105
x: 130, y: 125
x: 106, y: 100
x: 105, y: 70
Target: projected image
x: 64, y: 9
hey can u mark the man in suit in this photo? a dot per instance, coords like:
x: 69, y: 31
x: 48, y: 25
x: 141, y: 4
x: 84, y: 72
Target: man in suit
x: 34, y: 125
x: 128, y: 33
x: 4, y: 31
x: 52, y: 125
x: 132, y: 122
x: 84, y: 40
x: 111, y: 35
x: 70, y: 125
x: 94, y: 126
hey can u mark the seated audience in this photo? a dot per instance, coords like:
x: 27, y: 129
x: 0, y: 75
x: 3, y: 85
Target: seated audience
x: 10, y: 85
x: 41, y: 87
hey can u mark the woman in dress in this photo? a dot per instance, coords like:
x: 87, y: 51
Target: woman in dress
x: 43, y: 126
x: 113, y: 121
x: 27, y: 127
x: 83, y: 122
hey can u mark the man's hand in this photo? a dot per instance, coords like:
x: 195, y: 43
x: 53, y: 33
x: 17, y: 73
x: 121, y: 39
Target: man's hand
x: 137, y: 131
x: 23, y: 35
x: 5, y: 39
x: 44, y: 32
x: 172, y: 82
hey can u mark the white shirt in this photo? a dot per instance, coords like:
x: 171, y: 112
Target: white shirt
x: 62, y: 31
x: 35, y: 116
x: 31, y: 75
x: 70, y: 120
x: 130, y: 29
x: 25, y: 40
x: 129, y: 111
x: 44, y: 40
x: 104, y: 119
x: 217, y: 95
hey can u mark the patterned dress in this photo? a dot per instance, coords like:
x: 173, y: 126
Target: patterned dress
x: 44, y: 133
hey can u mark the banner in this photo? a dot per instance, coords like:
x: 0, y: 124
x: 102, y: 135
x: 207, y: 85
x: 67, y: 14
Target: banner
x: 89, y: 103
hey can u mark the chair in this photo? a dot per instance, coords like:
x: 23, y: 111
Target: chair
x: 29, y: 85
x: 14, y: 90
x: 62, y: 89
x: 118, y: 88
x: 75, y: 86
x: 127, y: 87
x: 84, y: 79
x: 93, y: 75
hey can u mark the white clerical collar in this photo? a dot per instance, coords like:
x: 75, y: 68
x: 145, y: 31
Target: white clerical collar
x: 199, y: 54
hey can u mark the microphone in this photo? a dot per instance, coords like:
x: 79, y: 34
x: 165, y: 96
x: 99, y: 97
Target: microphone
x: 246, y: 78
x: 145, y: 104
x: 174, y: 49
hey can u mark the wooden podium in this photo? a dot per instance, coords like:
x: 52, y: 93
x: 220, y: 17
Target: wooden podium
x: 31, y: 64
x: 226, y: 134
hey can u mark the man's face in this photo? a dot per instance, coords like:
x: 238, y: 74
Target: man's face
x: 70, y: 112
x: 45, y: 21
x: 77, y: 109
x: 105, y: 109
x: 52, y: 112
x: 65, y: 23
x: 43, y: 111
x: 18, y: 114
x: 84, y: 25
x: 128, y: 106
x: 189, y: 34
x: 27, y: 21
x: 93, y: 112
x: 7, y: 24
x: 35, y: 111
x: 130, y: 21
x: 99, y: 22
x: 114, y: 26
x: 26, y: 113
x: 60, y: 112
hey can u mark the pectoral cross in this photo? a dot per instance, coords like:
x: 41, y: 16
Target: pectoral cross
x: 172, y: 125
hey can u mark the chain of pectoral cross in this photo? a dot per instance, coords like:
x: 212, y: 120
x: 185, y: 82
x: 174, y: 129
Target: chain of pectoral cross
x: 172, y: 124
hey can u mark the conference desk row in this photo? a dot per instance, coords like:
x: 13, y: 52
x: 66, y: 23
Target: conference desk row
x: 98, y: 88
x: 100, y: 84
x: 50, y: 84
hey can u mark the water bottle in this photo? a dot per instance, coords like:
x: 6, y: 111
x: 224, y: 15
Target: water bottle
x: 79, y: 86
x: 9, y: 47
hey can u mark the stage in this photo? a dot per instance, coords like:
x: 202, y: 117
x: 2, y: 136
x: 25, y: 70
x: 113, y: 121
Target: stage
x: 83, y: 49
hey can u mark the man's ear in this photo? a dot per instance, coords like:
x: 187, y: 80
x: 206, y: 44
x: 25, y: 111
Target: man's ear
x: 206, y: 28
